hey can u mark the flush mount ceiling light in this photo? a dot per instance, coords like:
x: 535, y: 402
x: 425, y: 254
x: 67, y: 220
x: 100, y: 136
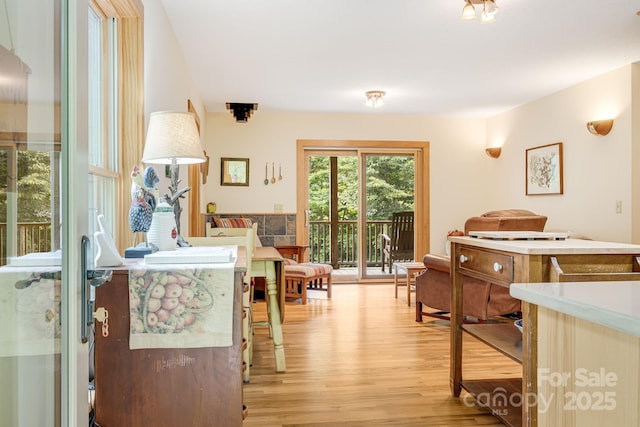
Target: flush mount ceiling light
x: 489, y: 10
x: 374, y: 98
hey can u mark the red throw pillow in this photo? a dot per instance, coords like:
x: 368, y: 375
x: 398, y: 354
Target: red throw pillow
x: 233, y: 222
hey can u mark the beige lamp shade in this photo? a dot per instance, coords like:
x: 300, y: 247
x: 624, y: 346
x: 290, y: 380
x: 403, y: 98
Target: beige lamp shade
x: 172, y: 135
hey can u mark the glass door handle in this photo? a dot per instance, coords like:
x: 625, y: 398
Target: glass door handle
x: 99, y: 277
x: 89, y: 278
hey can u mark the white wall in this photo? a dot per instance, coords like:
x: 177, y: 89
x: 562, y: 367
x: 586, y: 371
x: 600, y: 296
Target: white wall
x: 168, y: 85
x: 464, y: 181
x: 597, y: 169
x: 456, y: 152
x: 635, y: 150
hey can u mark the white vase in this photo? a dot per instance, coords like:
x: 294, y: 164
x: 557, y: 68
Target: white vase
x: 163, y: 232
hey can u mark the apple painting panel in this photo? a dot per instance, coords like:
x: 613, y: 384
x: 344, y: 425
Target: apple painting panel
x: 180, y: 306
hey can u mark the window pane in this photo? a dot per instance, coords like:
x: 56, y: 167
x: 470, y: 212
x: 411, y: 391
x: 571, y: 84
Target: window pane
x: 96, y: 91
x: 102, y: 120
x: 101, y: 201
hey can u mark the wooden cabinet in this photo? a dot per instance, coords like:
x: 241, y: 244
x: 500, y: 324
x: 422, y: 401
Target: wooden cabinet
x: 588, y: 352
x: 164, y: 387
x: 521, y: 261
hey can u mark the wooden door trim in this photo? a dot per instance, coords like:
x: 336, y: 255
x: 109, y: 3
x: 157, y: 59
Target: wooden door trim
x: 196, y: 222
x: 421, y: 149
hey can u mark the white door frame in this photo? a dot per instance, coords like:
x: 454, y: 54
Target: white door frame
x: 75, y: 359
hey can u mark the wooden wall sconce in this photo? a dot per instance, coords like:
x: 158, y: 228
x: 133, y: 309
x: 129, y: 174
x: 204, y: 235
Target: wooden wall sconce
x: 493, y: 152
x: 600, y: 127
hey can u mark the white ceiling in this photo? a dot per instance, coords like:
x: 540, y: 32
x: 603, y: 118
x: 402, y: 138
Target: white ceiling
x: 322, y: 55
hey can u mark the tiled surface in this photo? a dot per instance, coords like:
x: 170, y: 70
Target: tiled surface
x: 273, y: 229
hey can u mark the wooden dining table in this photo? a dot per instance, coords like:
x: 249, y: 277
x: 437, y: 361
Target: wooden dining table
x: 267, y: 262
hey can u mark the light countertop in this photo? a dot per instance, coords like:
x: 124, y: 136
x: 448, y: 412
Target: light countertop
x: 613, y: 304
x: 550, y: 247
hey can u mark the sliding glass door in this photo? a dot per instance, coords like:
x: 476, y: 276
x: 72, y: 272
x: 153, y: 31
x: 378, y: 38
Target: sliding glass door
x: 333, y: 210
x: 388, y: 187
x: 350, y: 194
x: 43, y: 211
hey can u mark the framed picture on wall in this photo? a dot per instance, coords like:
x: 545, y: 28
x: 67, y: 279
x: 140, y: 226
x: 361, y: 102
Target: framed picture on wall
x: 234, y: 171
x: 544, y: 170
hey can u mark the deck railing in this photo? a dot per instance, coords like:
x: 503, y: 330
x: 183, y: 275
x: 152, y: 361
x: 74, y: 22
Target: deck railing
x: 32, y: 237
x: 347, y: 244
x: 36, y: 237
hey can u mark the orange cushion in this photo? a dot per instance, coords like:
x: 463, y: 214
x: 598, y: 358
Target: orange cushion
x: 307, y: 269
x: 233, y: 222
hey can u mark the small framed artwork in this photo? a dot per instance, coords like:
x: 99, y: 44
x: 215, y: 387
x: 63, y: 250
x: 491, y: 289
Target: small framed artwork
x: 234, y: 171
x: 544, y: 170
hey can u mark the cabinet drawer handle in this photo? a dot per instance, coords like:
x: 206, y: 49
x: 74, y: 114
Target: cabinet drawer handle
x: 497, y: 267
x: 463, y: 259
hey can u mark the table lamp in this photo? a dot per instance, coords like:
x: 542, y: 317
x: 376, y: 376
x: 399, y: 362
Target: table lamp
x: 173, y: 139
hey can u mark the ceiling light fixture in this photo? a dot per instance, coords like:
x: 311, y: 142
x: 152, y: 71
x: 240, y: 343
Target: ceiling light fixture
x: 374, y: 98
x: 241, y: 111
x: 468, y: 12
x: 489, y: 10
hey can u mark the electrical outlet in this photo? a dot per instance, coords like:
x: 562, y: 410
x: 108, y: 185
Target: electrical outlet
x: 278, y: 208
x: 618, y: 206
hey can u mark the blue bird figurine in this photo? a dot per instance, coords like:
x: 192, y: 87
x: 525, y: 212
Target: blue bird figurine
x: 151, y: 181
x: 141, y: 210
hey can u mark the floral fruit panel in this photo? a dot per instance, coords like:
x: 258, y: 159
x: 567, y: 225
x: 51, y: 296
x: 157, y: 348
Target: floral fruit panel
x: 181, y: 306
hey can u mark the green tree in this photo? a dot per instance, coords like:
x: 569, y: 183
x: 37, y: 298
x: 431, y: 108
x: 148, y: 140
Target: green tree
x: 389, y: 185
x: 33, y: 186
x: 319, y: 192
x: 347, y: 188
x: 389, y: 180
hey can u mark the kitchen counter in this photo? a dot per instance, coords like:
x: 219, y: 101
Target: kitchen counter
x: 553, y: 344
x: 588, y: 351
x: 545, y: 246
x: 612, y: 304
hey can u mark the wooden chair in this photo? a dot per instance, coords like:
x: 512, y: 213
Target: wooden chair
x: 246, y: 237
x: 300, y: 276
x: 398, y: 246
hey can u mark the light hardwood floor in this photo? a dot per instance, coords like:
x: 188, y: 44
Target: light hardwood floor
x: 360, y: 359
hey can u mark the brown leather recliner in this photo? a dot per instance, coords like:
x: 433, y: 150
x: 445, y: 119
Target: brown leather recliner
x: 482, y: 299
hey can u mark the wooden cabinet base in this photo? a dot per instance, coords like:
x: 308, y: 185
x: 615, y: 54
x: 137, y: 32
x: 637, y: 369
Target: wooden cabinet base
x: 164, y: 387
x: 587, y: 373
